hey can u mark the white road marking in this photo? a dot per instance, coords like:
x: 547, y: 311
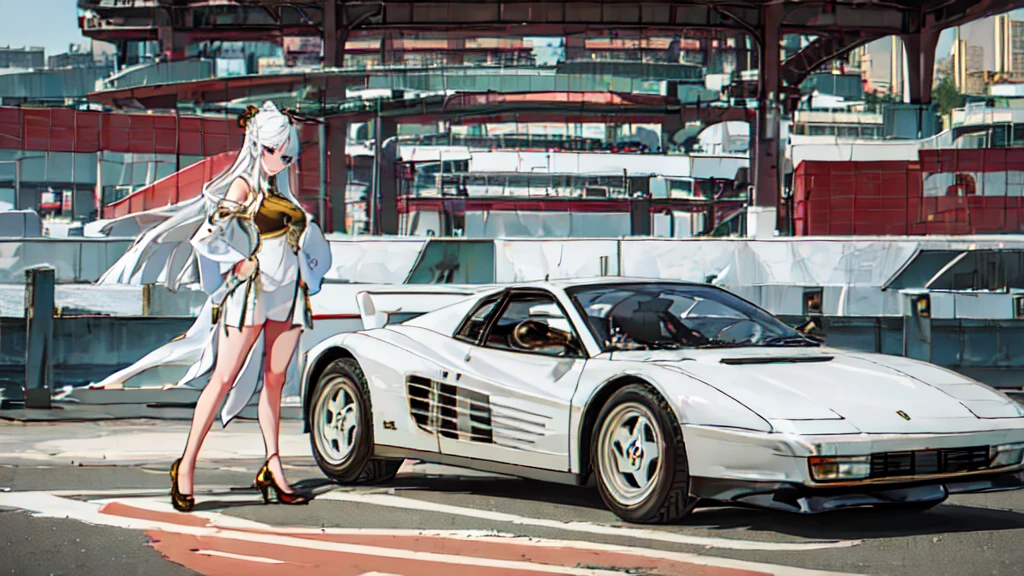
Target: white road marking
x: 585, y: 527
x: 49, y: 506
x: 43, y: 504
x: 215, y: 491
x: 711, y: 561
x: 231, y: 556
x: 163, y: 504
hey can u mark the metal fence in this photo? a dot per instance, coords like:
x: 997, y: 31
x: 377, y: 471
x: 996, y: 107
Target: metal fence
x: 991, y: 351
x: 89, y: 348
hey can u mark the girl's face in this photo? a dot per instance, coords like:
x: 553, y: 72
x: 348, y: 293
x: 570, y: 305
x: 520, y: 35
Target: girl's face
x: 275, y: 160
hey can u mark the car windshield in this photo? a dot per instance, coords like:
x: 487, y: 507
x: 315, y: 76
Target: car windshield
x: 666, y: 316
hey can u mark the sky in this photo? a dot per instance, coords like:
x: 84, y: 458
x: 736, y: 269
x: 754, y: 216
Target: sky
x: 52, y: 24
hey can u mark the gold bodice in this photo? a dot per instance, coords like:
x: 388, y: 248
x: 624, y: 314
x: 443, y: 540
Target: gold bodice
x: 274, y: 215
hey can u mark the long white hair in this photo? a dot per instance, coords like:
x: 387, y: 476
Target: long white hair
x: 163, y: 254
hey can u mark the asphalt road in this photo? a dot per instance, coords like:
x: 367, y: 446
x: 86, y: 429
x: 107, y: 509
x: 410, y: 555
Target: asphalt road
x: 91, y: 498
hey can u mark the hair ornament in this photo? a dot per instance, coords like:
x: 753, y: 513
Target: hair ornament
x: 246, y: 116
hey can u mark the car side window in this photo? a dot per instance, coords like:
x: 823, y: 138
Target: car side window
x: 474, y: 324
x: 533, y: 323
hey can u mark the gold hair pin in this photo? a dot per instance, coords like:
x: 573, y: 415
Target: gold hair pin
x: 246, y: 116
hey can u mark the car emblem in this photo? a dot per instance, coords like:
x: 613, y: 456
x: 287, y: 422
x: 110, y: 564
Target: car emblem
x: 903, y: 415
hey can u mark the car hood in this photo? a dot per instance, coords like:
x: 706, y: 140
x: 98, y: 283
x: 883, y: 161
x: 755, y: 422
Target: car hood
x: 872, y: 392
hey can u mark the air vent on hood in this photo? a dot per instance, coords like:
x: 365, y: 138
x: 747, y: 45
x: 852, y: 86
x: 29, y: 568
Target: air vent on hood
x: 776, y: 359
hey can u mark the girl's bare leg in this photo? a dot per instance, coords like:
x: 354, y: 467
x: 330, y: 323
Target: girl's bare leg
x: 232, y: 351
x: 281, y: 340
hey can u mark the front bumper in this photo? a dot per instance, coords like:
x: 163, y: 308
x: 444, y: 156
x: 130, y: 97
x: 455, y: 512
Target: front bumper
x: 771, y: 469
x: 792, y: 497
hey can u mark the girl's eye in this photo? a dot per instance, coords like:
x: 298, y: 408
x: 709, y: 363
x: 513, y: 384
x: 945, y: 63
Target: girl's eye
x: 286, y: 159
x: 268, y: 150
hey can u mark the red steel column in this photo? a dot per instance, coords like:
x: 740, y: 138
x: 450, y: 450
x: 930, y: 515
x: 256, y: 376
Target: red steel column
x: 337, y: 171
x: 764, y: 204
x: 389, y: 53
x: 386, y: 156
x: 921, y: 64
x: 173, y: 44
x: 575, y: 47
x: 335, y: 37
x: 456, y: 53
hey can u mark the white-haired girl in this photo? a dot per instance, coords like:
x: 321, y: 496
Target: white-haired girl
x: 260, y: 256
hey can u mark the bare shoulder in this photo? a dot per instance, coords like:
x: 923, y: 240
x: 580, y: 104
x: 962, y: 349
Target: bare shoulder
x: 239, y: 190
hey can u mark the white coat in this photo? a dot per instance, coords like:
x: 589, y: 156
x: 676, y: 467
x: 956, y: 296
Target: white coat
x: 169, y: 253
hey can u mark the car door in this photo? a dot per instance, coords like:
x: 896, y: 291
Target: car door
x: 515, y: 388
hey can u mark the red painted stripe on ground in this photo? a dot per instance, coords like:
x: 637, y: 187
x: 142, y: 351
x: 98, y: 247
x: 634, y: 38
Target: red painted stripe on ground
x: 180, y: 548
x: 128, y: 511
x: 299, y: 561
x: 522, y: 552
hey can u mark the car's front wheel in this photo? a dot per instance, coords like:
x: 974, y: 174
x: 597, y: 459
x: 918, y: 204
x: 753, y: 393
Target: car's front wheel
x: 639, y: 458
x: 341, y: 426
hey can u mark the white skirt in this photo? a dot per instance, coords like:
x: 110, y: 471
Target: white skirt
x: 273, y: 294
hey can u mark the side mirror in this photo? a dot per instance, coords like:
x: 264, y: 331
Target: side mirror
x: 809, y: 329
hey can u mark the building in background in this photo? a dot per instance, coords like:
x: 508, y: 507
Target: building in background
x: 25, y: 57
x: 1017, y: 46
x: 71, y: 75
x: 981, y: 53
x: 988, y: 51
x: 876, y: 65
x: 77, y: 56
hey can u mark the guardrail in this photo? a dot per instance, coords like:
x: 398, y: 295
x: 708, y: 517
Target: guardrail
x: 74, y: 260
x: 991, y: 351
x: 86, y: 349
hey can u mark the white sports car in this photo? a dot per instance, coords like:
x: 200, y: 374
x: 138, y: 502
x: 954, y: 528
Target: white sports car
x: 664, y: 393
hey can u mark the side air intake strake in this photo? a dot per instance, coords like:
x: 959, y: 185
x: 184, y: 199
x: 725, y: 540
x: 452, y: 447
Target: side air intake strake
x: 459, y: 413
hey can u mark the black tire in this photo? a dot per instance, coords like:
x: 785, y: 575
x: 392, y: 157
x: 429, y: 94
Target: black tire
x: 353, y: 462
x: 669, y: 500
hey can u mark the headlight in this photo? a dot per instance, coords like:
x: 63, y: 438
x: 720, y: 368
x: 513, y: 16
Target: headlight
x: 835, y: 468
x: 1007, y: 455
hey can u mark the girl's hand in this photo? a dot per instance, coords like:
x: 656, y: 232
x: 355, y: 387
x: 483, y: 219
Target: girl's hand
x: 244, y: 268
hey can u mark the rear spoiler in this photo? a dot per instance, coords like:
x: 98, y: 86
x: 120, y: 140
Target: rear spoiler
x: 378, y: 308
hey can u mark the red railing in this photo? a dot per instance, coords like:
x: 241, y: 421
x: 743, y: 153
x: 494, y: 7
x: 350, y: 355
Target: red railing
x: 182, y: 185
x: 187, y: 184
x: 87, y: 132
x: 66, y: 130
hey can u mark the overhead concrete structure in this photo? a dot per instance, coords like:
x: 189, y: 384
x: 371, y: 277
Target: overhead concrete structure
x: 839, y: 25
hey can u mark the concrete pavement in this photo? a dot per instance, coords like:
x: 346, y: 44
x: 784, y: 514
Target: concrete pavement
x: 96, y: 492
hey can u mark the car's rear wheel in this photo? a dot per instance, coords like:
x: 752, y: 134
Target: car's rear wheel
x: 639, y: 458
x: 341, y: 426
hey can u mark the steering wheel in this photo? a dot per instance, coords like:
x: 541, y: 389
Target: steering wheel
x: 755, y: 331
x: 532, y: 334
